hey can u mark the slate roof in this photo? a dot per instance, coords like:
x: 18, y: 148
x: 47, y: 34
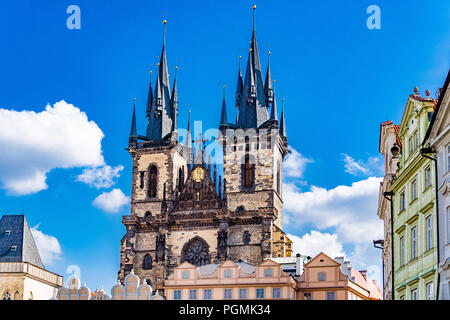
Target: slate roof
x: 20, y: 236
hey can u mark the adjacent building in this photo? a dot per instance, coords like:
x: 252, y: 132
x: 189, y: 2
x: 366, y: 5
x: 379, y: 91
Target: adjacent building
x: 325, y: 278
x: 22, y: 273
x: 389, y: 147
x: 438, y: 139
x: 413, y: 195
x: 131, y: 290
x: 230, y: 281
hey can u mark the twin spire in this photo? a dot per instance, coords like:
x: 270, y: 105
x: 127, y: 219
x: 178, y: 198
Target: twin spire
x: 253, y: 98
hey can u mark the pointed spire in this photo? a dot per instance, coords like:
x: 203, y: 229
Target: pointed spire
x: 174, y: 104
x: 188, y: 134
x: 150, y: 97
x: 223, y: 116
x: 252, y: 109
x: 133, y: 131
x: 274, y: 113
x: 268, y: 90
x: 160, y: 123
x: 240, y: 86
x: 282, y: 123
x: 254, y: 18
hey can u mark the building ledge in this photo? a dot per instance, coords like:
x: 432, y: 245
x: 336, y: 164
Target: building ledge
x: 32, y: 271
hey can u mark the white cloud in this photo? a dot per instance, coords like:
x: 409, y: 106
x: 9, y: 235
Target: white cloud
x: 373, y: 166
x: 111, y: 201
x: 350, y: 210
x: 33, y: 144
x: 48, y: 246
x: 100, y: 177
x: 294, y: 164
x: 311, y: 244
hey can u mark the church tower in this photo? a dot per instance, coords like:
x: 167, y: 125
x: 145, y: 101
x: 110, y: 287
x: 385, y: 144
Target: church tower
x: 254, y: 148
x: 182, y: 210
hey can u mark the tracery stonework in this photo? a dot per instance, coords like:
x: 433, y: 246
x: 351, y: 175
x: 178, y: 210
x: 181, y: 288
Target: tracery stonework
x: 182, y: 208
x: 196, y: 252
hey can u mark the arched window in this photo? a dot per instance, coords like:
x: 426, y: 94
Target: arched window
x: 248, y: 172
x: 278, y: 177
x: 17, y: 295
x: 152, y: 181
x: 147, y: 262
x: 180, y: 179
x: 246, y: 237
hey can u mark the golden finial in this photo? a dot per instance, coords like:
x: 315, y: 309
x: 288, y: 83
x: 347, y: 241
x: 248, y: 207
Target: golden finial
x: 254, y: 7
x: 251, y: 49
x: 164, y: 21
x: 269, y: 52
x: 134, y: 99
x: 157, y: 64
x: 240, y: 57
x: 224, y: 86
x: 176, y: 67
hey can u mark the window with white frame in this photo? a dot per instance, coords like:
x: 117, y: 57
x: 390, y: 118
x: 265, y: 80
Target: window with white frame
x: 268, y: 272
x: 430, y: 292
x: 243, y: 293
x: 448, y: 158
x: 207, y: 294
x: 414, y: 243
x: 429, y: 224
x: 427, y: 177
x: 177, y: 295
x: 416, y: 140
x: 260, y: 293
x: 402, y: 201
x: 402, y: 251
x: 414, y: 190
x: 192, y: 294
x: 322, y: 276
x: 228, y: 293
x: 331, y: 295
x: 414, y: 294
x: 276, y: 293
x: 410, y: 147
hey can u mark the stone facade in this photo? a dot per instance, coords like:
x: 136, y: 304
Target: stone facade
x: 181, y: 209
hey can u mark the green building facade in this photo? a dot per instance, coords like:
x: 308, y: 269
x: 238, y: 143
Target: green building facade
x: 414, y: 207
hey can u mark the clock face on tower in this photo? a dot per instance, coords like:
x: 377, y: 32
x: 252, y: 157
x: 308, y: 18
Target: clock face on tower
x: 198, y: 174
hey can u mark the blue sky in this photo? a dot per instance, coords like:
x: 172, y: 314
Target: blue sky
x: 340, y: 81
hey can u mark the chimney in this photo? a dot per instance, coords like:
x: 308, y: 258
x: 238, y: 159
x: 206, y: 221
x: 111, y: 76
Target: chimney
x: 298, y: 265
x: 339, y: 260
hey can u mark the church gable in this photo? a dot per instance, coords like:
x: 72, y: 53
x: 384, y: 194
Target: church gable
x: 199, y: 191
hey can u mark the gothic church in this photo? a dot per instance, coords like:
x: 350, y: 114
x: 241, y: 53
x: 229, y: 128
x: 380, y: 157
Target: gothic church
x: 181, y: 210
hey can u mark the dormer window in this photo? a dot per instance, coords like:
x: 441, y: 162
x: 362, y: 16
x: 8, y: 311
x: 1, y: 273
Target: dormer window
x: 13, y: 248
x: 7, y: 232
